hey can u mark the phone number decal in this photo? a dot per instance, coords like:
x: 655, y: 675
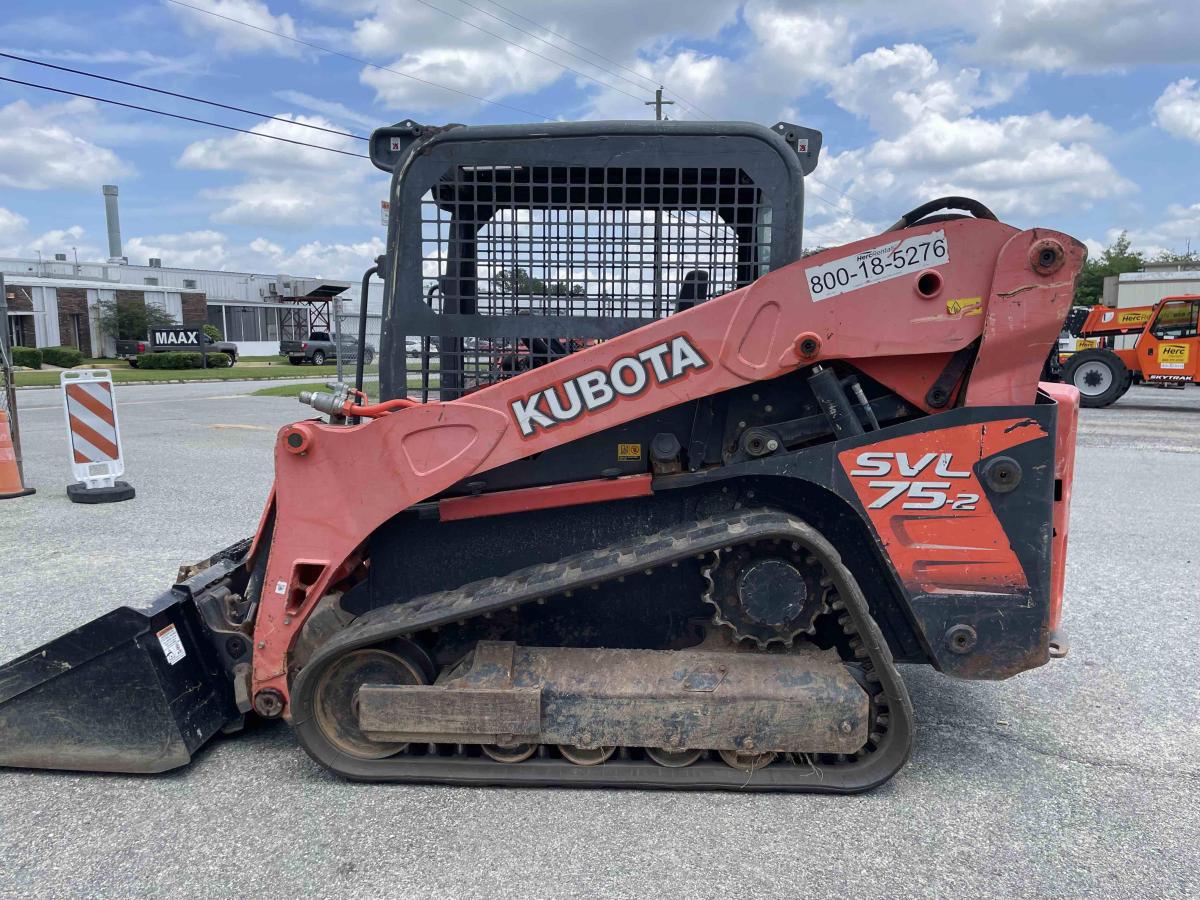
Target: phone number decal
x: 877, y: 264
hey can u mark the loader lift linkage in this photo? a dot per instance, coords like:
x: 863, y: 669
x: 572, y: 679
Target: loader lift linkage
x: 647, y: 499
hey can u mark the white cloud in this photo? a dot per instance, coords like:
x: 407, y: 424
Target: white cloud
x: 286, y: 186
x: 895, y: 87
x: 212, y: 249
x: 230, y: 36
x: 248, y: 152
x: 1175, y: 232
x: 11, y: 223
x: 204, y: 249
x: 1177, y: 110
x: 493, y: 72
x: 291, y: 204
x: 41, y: 148
x: 16, y: 241
x: 424, y: 43
x: 337, y: 111
x: 1079, y: 37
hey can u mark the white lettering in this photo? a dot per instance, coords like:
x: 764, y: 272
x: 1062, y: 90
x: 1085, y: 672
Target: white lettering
x: 574, y: 406
x: 943, y: 468
x: 910, y: 471
x: 684, y: 356
x: 628, y: 376
x: 879, y: 462
x: 633, y: 367
x: 594, y: 385
x: 528, y: 415
x: 654, y: 356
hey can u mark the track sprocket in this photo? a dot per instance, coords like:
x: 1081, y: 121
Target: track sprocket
x: 769, y: 592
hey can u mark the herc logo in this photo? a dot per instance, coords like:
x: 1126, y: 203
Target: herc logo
x: 1133, y: 318
x: 627, y: 377
x: 1172, y: 356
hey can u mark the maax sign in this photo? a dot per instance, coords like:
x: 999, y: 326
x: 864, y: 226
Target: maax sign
x: 183, y: 338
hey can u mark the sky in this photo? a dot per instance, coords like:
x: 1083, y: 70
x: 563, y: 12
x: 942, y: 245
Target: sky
x: 1080, y: 116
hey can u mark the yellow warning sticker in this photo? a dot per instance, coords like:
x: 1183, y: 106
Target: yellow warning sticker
x: 1172, y: 356
x: 629, y: 452
x: 965, y: 306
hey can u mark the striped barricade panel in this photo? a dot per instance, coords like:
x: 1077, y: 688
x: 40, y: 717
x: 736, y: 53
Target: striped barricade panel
x: 91, y: 412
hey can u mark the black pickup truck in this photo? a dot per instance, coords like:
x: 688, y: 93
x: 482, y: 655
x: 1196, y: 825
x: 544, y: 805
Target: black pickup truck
x: 320, y: 347
x: 131, y: 350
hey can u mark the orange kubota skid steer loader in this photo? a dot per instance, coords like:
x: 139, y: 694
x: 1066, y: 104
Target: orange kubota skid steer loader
x: 648, y: 498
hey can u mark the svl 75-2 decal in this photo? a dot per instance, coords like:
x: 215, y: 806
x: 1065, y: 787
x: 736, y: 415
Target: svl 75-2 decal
x: 916, y: 494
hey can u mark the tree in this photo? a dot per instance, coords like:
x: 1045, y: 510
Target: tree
x: 1115, y: 259
x: 810, y: 251
x: 521, y: 283
x: 213, y: 332
x: 131, y: 320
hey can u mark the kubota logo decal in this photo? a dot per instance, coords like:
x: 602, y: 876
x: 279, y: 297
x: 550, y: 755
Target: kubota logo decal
x: 626, y: 377
x: 876, y: 464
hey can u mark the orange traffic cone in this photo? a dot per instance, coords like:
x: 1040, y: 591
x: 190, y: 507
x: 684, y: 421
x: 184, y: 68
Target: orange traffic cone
x: 10, y: 475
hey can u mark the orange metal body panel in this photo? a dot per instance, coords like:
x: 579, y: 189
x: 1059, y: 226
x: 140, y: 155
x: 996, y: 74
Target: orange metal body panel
x: 548, y: 496
x: 947, y: 539
x: 988, y: 288
x: 1067, y: 398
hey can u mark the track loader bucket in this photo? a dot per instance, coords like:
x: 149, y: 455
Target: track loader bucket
x: 136, y: 690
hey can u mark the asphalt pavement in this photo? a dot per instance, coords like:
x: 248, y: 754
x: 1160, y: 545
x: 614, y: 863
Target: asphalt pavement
x: 1080, y: 779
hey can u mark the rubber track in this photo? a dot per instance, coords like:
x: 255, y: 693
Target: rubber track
x: 892, y: 740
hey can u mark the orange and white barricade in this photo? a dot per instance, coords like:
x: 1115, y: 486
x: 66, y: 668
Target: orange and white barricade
x: 90, y: 408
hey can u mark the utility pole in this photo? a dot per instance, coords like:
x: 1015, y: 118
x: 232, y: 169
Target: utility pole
x: 658, y: 103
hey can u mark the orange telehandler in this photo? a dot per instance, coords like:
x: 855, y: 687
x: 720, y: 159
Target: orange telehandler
x: 1165, y: 351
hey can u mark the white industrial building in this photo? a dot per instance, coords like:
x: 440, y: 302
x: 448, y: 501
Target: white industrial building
x: 56, y: 302
x: 1147, y: 287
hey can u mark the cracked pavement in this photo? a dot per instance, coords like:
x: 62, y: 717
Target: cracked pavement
x: 1079, y: 779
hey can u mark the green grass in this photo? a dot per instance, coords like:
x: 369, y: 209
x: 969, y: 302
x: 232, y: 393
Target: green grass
x: 146, y: 376
x: 293, y: 390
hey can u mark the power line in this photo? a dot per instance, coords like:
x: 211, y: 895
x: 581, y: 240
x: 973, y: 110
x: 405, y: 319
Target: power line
x: 146, y: 87
x: 360, y: 61
x: 652, y: 82
x: 160, y: 112
x: 548, y: 59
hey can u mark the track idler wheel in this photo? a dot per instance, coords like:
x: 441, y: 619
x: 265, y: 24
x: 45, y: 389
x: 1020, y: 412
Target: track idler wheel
x: 580, y: 756
x: 747, y: 762
x: 673, y: 759
x: 336, y: 703
x: 509, y: 753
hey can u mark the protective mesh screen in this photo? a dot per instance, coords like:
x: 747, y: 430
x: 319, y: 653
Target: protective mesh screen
x: 635, y: 243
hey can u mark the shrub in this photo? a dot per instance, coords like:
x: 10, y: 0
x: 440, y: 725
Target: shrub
x: 66, y: 357
x: 29, y: 357
x: 178, y: 359
x: 213, y: 332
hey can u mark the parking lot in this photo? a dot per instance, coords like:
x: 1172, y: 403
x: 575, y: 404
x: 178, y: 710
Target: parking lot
x: 1079, y: 779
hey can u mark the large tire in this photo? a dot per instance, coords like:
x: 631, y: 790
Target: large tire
x: 318, y: 358
x: 1099, y: 375
x: 232, y: 360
